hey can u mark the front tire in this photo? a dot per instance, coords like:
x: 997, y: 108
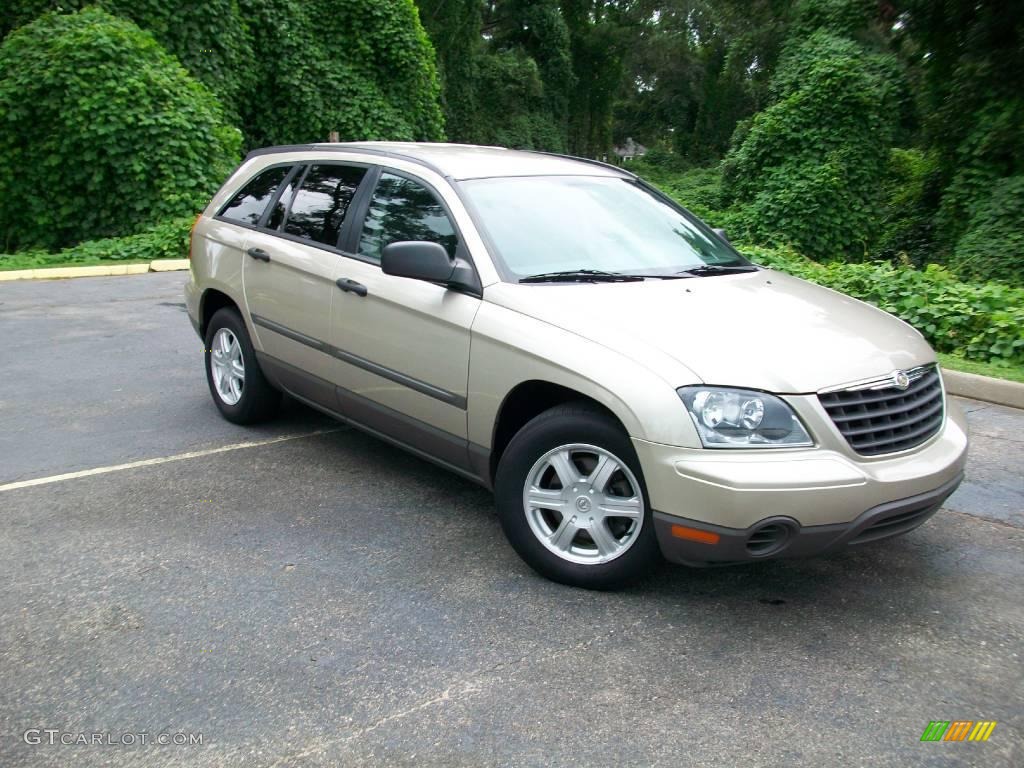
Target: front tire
x: 239, y: 389
x: 572, y: 501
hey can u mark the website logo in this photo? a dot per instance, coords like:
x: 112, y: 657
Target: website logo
x: 958, y: 730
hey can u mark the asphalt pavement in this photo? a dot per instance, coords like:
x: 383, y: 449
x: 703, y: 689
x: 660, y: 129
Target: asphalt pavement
x: 311, y: 596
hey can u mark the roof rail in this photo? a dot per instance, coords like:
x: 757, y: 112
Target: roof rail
x: 587, y: 160
x: 345, y: 147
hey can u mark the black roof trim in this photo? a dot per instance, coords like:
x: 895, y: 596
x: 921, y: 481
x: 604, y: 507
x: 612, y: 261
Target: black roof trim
x: 342, y: 148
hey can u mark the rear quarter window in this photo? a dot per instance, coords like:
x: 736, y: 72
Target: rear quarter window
x: 248, y: 204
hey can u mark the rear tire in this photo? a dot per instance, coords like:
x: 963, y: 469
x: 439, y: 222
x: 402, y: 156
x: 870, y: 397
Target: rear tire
x: 238, y: 386
x: 572, y: 500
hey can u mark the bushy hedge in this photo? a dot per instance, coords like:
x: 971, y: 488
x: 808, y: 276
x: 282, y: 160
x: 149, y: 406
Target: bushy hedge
x: 806, y: 171
x: 168, y: 240
x: 978, y: 321
x: 364, y: 68
x: 210, y: 38
x: 993, y: 245
x: 102, y: 132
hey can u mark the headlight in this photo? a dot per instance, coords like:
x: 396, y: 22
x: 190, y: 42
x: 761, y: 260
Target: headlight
x: 743, y: 418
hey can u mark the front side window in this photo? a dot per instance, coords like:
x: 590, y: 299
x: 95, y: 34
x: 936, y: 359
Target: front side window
x: 319, y: 205
x: 247, y: 206
x: 402, y: 210
x: 547, y: 224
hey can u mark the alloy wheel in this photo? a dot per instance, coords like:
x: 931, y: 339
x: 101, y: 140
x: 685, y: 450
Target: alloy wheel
x: 583, y: 504
x: 227, y: 366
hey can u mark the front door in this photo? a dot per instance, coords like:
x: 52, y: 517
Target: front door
x: 402, y: 345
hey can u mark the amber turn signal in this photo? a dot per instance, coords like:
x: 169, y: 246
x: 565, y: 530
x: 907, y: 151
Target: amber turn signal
x: 693, y: 534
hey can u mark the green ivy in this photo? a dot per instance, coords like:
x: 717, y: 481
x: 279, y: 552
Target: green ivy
x: 102, y: 132
x: 168, y: 240
x: 364, y: 68
x: 210, y: 39
x: 994, y: 242
x: 806, y: 170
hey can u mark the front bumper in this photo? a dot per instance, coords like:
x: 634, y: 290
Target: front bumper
x: 698, y: 544
x: 818, y: 499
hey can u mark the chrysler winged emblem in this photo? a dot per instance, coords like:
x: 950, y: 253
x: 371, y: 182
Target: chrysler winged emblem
x: 900, y: 379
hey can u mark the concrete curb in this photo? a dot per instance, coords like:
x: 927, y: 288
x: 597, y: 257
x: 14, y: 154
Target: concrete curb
x: 998, y: 391
x: 102, y: 270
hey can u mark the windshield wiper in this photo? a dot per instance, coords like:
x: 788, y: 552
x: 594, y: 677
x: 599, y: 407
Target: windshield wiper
x: 581, y: 276
x: 718, y: 269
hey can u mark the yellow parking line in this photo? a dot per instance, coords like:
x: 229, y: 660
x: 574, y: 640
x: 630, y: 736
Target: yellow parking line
x: 161, y: 460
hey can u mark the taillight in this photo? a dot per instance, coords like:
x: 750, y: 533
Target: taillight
x: 191, y: 234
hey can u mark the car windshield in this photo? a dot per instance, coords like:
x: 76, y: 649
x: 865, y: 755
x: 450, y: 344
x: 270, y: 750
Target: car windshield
x: 577, y: 224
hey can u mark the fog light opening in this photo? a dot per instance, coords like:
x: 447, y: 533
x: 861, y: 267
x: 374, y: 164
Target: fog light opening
x: 769, y: 539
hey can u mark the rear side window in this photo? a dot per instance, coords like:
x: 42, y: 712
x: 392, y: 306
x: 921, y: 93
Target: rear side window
x: 277, y: 213
x: 248, y: 205
x: 403, y: 209
x: 320, y: 204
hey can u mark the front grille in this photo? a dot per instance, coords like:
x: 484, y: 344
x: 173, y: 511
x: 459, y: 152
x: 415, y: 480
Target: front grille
x: 879, y: 417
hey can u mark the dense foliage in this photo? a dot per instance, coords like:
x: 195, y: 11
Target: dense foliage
x: 213, y: 44
x: 364, y: 68
x: 807, y: 168
x: 168, y: 240
x: 102, y: 132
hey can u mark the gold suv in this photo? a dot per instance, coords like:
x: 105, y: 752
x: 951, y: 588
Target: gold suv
x: 559, y: 331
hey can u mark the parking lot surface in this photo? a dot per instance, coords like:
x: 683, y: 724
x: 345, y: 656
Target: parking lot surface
x: 312, y: 596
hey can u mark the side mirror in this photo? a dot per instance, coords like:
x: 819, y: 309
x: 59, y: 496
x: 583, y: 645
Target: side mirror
x: 418, y: 260
x: 721, y: 233
x: 423, y: 260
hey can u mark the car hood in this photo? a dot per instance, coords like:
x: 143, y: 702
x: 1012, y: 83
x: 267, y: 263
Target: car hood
x: 763, y: 330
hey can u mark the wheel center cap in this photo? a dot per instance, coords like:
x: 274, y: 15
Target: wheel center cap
x: 583, y: 504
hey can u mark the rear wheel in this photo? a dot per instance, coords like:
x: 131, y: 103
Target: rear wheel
x: 572, y: 502
x: 239, y: 389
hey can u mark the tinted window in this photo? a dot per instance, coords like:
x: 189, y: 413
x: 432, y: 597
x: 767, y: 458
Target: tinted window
x: 319, y: 206
x: 280, y: 208
x: 402, y: 209
x: 248, y: 205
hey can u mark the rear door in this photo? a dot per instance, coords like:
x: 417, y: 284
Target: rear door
x: 403, y: 345
x: 290, y: 271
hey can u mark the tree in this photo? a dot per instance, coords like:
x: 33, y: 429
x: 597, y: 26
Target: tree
x: 102, y: 132
x: 808, y: 168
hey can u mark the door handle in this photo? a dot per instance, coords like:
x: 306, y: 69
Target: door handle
x: 351, y: 286
x: 259, y: 254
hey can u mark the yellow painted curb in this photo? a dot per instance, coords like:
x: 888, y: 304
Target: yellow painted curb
x: 168, y: 265
x: 101, y: 270
x: 54, y: 273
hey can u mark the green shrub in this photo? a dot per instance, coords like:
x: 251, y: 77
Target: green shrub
x: 210, y: 39
x: 364, y: 68
x: 806, y: 171
x: 168, y: 240
x: 978, y: 321
x: 101, y: 132
x: 511, y: 103
x: 912, y: 188
x: 993, y: 246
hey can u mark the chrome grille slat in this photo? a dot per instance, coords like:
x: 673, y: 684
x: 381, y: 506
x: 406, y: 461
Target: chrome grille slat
x: 881, y: 420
